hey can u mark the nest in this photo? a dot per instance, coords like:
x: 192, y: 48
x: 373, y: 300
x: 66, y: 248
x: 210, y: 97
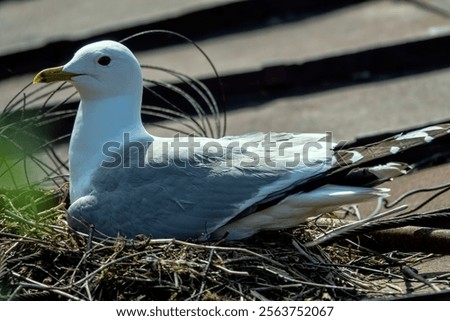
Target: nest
x: 67, y: 265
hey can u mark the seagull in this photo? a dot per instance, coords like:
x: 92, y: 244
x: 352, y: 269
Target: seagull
x: 126, y: 182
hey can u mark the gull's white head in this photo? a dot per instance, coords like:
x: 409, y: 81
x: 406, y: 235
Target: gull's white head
x: 103, y: 69
x: 108, y: 78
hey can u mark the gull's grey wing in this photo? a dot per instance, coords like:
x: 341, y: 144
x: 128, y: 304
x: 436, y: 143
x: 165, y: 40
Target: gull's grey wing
x: 190, y: 192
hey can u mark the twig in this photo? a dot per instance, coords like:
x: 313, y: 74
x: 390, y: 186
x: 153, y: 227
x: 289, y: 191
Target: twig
x: 205, y: 274
x: 228, y: 271
x: 37, y: 285
x: 409, y: 272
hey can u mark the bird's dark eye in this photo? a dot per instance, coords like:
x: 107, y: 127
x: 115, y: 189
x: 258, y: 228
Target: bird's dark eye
x: 104, y: 60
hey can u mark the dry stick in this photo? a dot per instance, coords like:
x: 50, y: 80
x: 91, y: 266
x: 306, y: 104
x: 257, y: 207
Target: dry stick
x: 444, y: 276
x: 258, y: 296
x: 82, y: 260
x: 228, y: 271
x: 176, y: 281
x: 13, y: 294
x: 303, y: 283
x: 24, y: 239
x: 347, y: 276
x: 195, y: 295
x: 360, y: 267
x: 88, y: 291
x: 278, y: 274
x: 419, y: 257
x: 205, y: 274
x: 346, y: 228
x: 222, y: 264
x: 62, y: 278
x: 306, y: 255
x: 104, y: 266
x: 409, y: 272
x: 396, y: 288
x: 40, y: 286
x: 239, y: 292
x: 16, y: 243
x: 221, y: 248
x: 218, y: 248
x: 3, y: 267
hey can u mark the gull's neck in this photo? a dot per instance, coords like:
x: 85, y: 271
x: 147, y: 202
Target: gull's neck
x: 97, y: 123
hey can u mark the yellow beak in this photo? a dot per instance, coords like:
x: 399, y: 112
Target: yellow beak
x: 53, y: 74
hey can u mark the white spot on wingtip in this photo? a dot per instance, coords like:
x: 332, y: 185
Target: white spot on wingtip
x: 356, y: 156
x: 420, y: 133
x: 428, y: 139
x: 389, y: 170
x: 412, y: 135
x: 394, y: 149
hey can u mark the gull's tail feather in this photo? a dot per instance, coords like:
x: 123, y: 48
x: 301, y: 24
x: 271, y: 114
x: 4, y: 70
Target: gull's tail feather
x: 295, y: 209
